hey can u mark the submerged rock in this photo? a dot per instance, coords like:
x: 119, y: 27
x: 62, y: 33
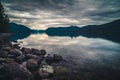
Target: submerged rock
x: 57, y: 58
x: 45, y: 71
x: 53, y: 59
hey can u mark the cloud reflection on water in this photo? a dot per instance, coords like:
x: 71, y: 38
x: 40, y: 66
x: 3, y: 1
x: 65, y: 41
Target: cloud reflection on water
x: 79, y: 50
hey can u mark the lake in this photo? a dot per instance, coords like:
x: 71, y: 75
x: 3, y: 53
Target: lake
x: 80, y: 52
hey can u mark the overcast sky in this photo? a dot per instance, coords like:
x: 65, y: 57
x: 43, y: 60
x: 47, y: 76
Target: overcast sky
x: 41, y: 14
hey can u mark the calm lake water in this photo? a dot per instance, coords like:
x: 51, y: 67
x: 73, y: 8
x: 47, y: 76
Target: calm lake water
x: 80, y: 49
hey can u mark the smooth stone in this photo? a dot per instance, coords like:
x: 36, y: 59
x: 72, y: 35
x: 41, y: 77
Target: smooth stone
x: 5, y: 60
x: 20, y: 59
x: 43, y: 52
x: 15, y: 52
x: 6, y: 48
x: 3, y: 54
x: 49, y: 59
x: 32, y: 65
x: 26, y: 50
x: 36, y: 52
x: 42, y: 74
x: 11, y: 56
x: 16, y: 46
x: 31, y: 56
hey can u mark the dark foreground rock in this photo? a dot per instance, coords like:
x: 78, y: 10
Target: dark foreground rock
x: 13, y: 71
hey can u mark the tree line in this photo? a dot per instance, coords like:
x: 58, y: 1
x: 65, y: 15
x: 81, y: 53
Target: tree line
x: 4, y: 21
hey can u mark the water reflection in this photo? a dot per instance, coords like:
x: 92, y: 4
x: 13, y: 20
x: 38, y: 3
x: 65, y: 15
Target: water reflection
x: 80, y: 49
x: 20, y: 34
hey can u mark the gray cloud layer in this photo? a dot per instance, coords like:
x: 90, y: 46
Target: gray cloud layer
x: 47, y: 13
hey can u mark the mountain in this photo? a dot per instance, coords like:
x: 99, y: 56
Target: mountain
x: 19, y: 31
x: 62, y: 31
x: 108, y: 31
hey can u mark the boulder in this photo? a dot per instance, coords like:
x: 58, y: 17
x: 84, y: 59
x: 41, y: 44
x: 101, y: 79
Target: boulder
x: 13, y: 71
x: 6, y: 48
x: 43, y: 52
x: 26, y: 50
x: 16, y: 46
x: 11, y: 56
x: 20, y: 59
x: 36, y: 52
x: 3, y: 54
x: 32, y: 65
x: 49, y: 59
x: 15, y: 52
x: 37, y: 58
x: 5, y: 60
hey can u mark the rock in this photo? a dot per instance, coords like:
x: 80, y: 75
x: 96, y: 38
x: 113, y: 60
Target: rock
x: 6, y: 48
x: 45, y: 71
x: 3, y: 54
x: 57, y: 58
x: 49, y: 59
x: 5, y: 60
x: 53, y: 59
x: 1, y: 72
x: 11, y: 56
x: 16, y: 46
x: 32, y: 65
x: 45, y: 79
x: 13, y: 70
x: 37, y: 58
x: 42, y: 75
x: 24, y: 64
x: 20, y: 59
x: 36, y: 52
x: 15, y: 52
x: 26, y: 50
x: 43, y: 52
x: 31, y: 56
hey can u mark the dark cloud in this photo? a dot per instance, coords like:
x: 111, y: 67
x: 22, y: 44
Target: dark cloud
x: 60, y: 12
x: 26, y: 5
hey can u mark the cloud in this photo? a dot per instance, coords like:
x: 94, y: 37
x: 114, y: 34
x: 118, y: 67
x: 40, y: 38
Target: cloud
x: 47, y: 13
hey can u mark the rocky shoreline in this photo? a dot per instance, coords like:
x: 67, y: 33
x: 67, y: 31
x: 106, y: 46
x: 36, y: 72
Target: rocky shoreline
x: 20, y: 63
